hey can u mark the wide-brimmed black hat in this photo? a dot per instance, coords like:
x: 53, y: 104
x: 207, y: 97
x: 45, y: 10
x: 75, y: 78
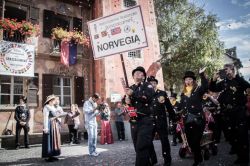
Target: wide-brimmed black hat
x: 139, y: 68
x: 189, y: 74
x: 173, y: 95
x: 152, y: 78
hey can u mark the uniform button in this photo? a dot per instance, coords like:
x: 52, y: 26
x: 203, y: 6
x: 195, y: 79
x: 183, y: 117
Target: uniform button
x: 155, y: 105
x: 192, y: 106
x: 146, y: 104
x: 136, y: 102
x: 185, y: 107
x: 154, y: 99
x: 233, y: 98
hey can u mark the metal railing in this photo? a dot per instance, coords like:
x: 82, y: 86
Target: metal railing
x: 14, y: 37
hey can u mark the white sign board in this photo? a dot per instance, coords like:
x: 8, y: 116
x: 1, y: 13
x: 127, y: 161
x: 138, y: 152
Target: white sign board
x: 115, y: 97
x: 117, y: 33
x: 16, y: 59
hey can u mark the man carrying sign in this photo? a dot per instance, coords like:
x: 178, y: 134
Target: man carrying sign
x: 140, y: 95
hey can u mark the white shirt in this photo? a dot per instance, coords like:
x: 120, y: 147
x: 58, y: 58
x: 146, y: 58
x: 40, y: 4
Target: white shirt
x: 90, y: 112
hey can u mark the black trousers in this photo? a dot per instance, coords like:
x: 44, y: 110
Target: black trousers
x: 236, y: 124
x: 120, y: 130
x: 194, y: 132
x: 72, y: 133
x: 161, y: 127
x: 141, y: 133
x: 26, y: 135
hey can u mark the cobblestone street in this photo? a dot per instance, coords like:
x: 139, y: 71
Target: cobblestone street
x: 117, y: 154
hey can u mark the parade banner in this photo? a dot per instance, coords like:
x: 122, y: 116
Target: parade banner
x: 16, y: 59
x: 117, y: 33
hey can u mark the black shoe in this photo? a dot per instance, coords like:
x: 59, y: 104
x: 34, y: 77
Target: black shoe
x: 54, y: 158
x: 167, y: 161
x: 195, y: 164
x: 49, y: 159
x: 27, y: 146
x: 76, y: 142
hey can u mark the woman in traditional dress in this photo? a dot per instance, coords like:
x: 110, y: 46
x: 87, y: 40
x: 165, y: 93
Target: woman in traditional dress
x: 106, y: 132
x: 51, y: 131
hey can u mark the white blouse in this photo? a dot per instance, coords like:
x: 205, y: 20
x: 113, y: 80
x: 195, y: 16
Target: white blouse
x: 46, y: 110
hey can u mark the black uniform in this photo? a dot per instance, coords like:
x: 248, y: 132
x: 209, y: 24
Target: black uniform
x: 22, y: 114
x: 160, y: 105
x: 233, y: 109
x: 174, y: 122
x: 142, y: 129
x: 194, y: 121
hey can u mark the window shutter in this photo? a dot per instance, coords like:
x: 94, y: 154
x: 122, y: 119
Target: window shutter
x: 79, y: 90
x: 48, y: 18
x: 47, y: 85
x: 34, y: 15
x: 1, y: 7
x: 77, y: 23
x: 32, y: 91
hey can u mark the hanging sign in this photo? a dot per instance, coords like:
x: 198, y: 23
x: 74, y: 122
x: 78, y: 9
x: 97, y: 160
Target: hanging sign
x: 117, y: 33
x: 16, y: 59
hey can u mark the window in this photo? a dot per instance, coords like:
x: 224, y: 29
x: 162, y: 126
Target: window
x: 19, y: 12
x: 10, y: 90
x: 52, y: 20
x: 62, y: 88
x: 129, y: 3
x: 134, y: 54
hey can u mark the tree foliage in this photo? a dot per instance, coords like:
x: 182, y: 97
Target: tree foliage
x: 188, y: 39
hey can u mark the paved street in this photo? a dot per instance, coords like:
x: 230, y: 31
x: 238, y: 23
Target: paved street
x: 117, y: 154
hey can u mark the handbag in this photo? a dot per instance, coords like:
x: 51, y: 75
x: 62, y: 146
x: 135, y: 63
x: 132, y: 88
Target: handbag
x: 192, y: 118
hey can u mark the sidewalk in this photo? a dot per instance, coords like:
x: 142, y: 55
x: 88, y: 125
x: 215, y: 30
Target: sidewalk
x: 117, y: 154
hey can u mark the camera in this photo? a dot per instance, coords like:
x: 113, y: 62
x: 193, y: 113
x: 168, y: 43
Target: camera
x: 222, y: 73
x: 101, y: 107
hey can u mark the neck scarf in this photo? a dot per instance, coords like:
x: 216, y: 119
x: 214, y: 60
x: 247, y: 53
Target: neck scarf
x: 188, y: 90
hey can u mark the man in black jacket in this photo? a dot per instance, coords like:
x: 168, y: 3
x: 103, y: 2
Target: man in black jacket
x: 140, y: 96
x: 22, y: 117
x: 159, y: 106
x: 232, y: 101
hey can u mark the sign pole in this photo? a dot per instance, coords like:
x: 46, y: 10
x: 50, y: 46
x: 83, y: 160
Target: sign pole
x: 124, y: 70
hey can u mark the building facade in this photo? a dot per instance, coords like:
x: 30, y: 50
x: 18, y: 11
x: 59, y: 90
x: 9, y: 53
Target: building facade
x: 77, y: 82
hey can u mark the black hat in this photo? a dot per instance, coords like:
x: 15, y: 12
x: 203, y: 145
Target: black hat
x: 152, y: 78
x: 24, y: 98
x: 139, y: 68
x: 189, y: 74
x: 96, y: 95
x: 173, y: 95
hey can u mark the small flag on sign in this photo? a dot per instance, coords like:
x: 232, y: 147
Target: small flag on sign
x: 115, y: 31
x: 104, y: 33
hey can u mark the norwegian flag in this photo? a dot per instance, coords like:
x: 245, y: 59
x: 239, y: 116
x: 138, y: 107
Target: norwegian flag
x: 65, y: 53
x: 115, y: 31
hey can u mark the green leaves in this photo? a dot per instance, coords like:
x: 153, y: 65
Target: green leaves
x: 188, y: 38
